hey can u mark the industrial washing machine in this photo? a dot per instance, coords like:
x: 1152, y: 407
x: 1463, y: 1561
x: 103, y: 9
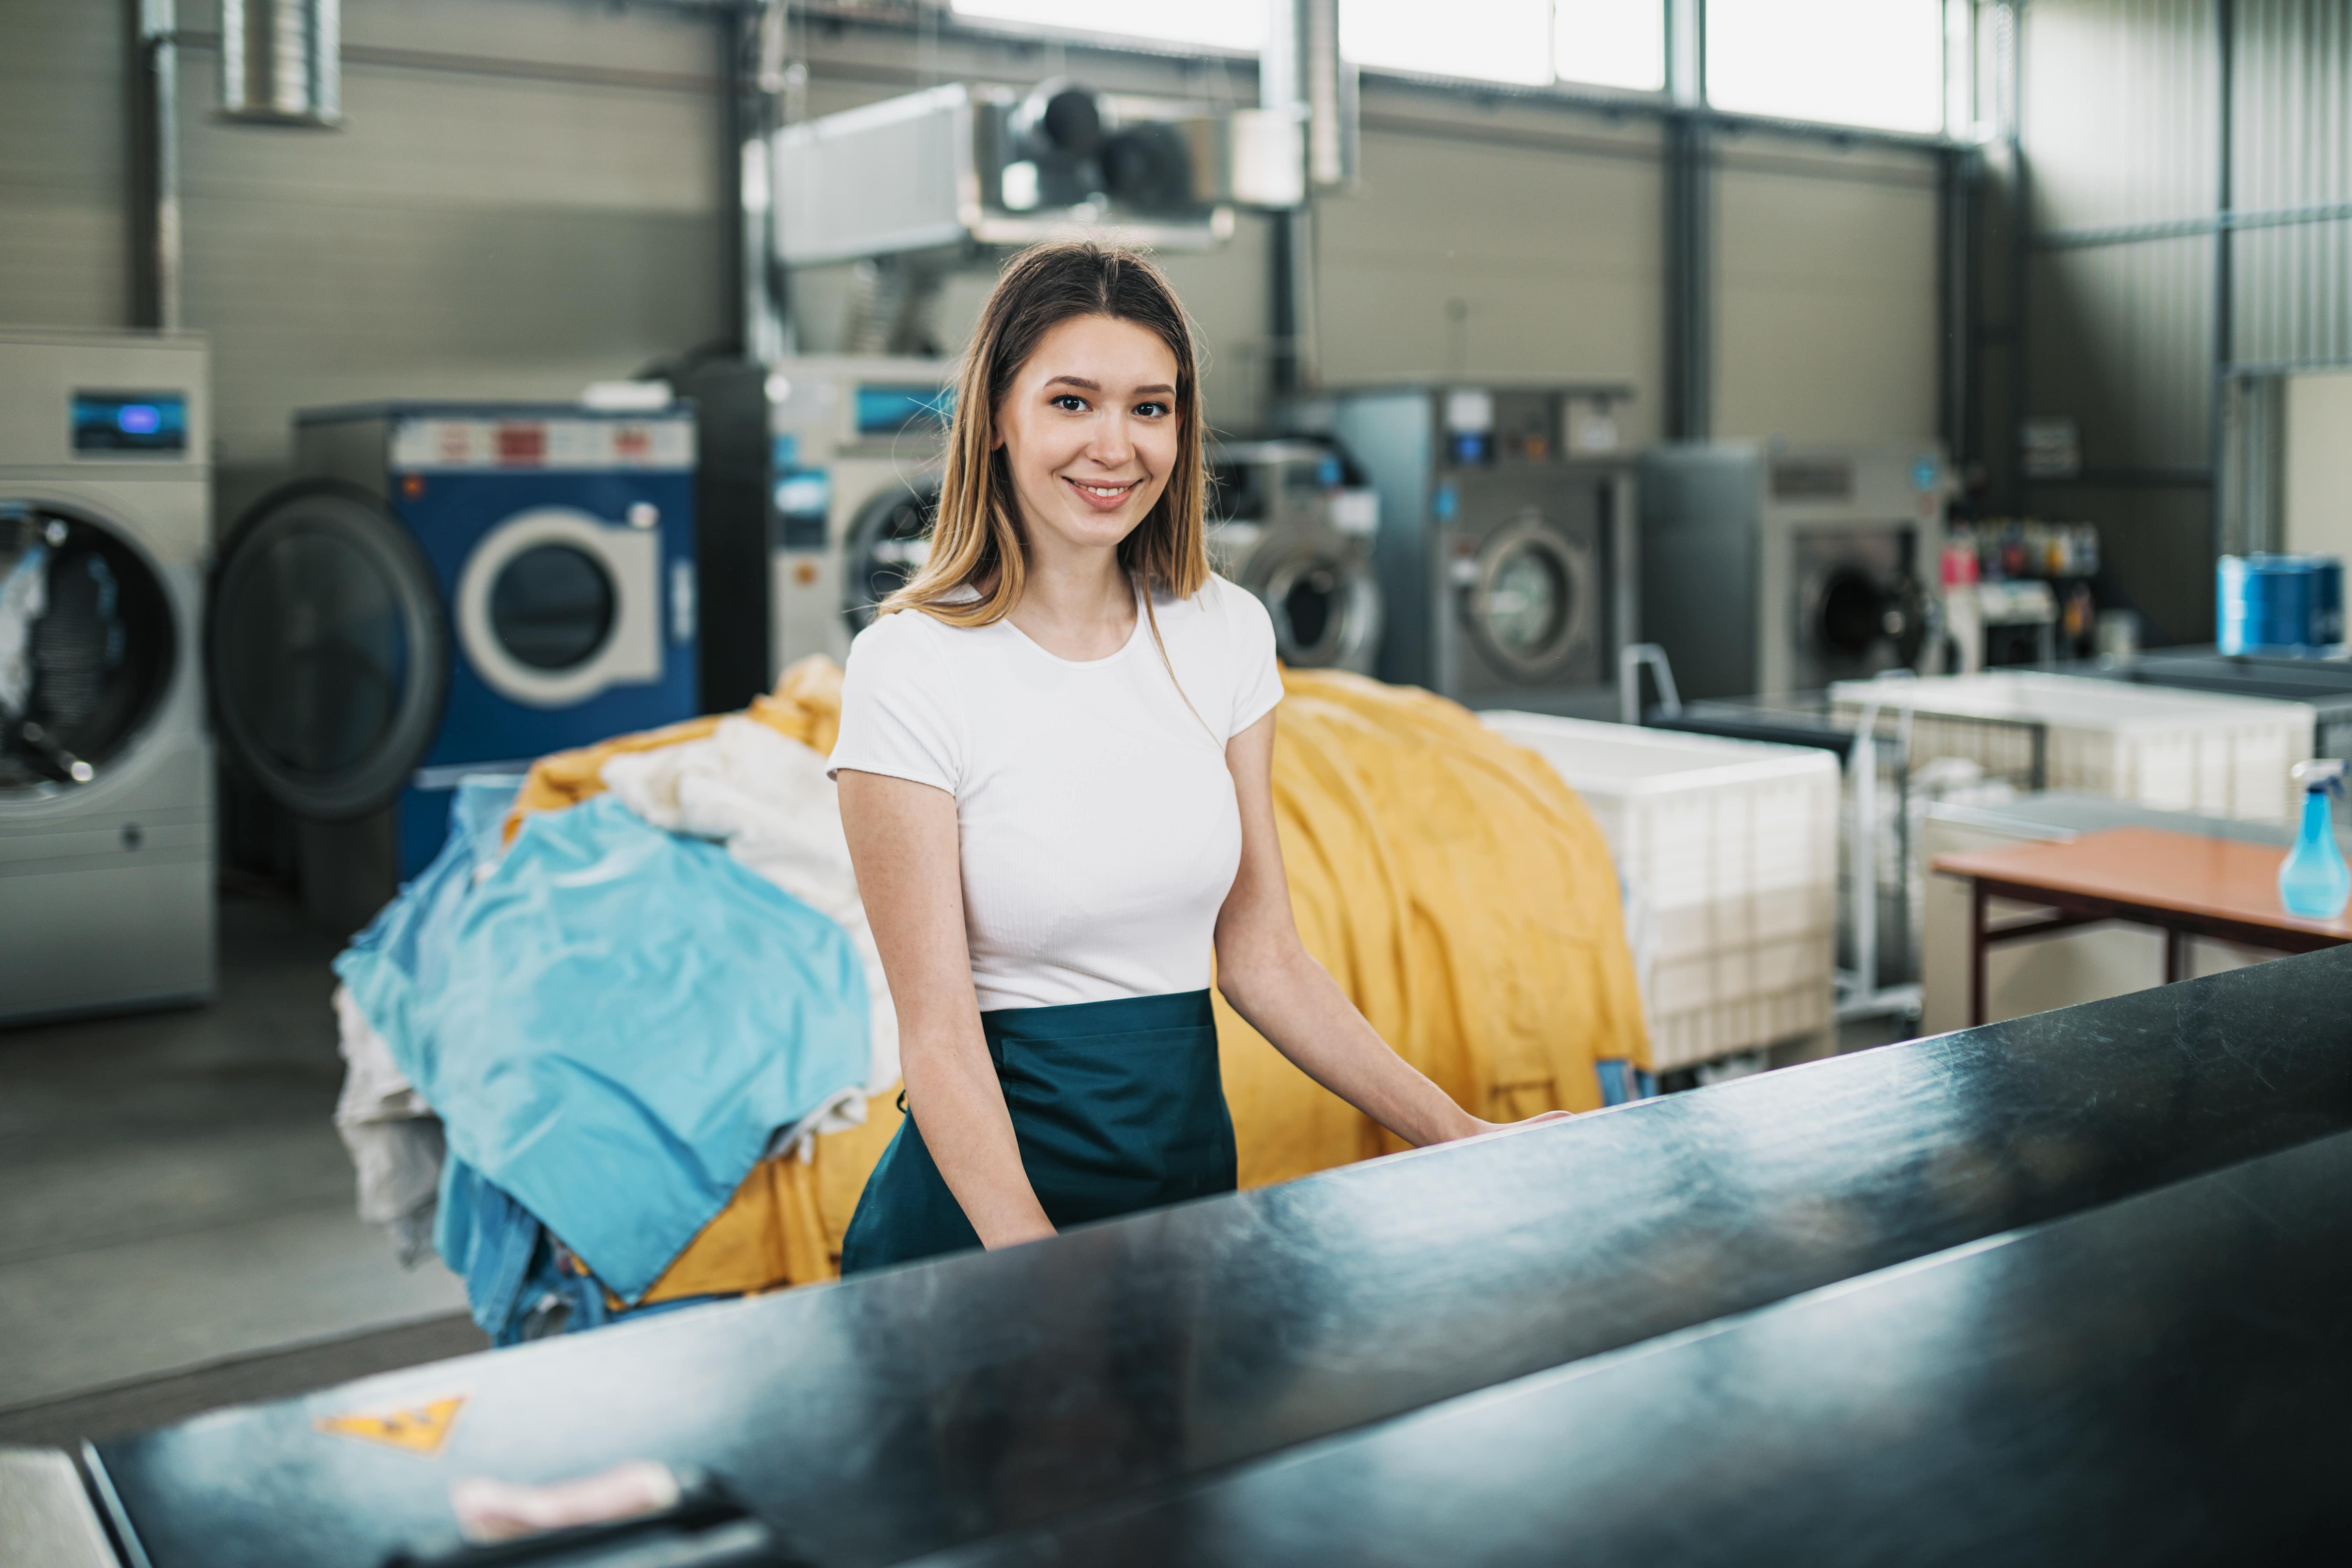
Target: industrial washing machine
x: 106, y: 775
x: 1504, y: 549
x: 819, y: 477
x: 450, y: 588
x: 1285, y: 523
x: 1769, y: 572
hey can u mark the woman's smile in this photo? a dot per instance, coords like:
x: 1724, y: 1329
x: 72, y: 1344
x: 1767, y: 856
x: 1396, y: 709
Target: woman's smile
x: 1103, y: 495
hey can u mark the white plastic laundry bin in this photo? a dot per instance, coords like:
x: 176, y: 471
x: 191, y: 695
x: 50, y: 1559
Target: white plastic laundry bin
x: 1731, y: 847
x: 2174, y: 750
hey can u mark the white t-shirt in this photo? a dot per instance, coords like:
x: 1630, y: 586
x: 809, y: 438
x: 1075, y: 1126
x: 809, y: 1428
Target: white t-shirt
x: 1100, y: 831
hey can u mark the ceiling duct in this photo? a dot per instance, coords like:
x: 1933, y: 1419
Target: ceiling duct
x: 279, y: 62
x: 1301, y: 74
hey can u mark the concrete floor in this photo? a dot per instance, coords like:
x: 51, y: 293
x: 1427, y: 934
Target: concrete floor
x: 173, y: 1198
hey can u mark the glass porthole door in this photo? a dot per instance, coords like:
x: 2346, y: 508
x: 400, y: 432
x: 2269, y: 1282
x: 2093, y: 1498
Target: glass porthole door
x: 330, y: 650
x: 1531, y: 599
x: 88, y: 647
x: 890, y: 540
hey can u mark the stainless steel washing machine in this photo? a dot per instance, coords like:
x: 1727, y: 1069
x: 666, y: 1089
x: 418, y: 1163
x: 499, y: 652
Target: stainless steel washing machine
x: 1286, y: 521
x: 1778, y: 571
x: 106, y: 773
x: 1503, y: 550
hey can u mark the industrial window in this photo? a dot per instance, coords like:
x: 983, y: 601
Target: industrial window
x: 1877, y: 63
x: 1214, y: 24
x: 1610, y: 43
x: 1490, y: 40
x: 1604, y: 43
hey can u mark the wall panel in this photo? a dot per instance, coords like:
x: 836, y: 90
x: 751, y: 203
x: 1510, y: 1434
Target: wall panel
x: 63, y: 173
x: 1825, y: 295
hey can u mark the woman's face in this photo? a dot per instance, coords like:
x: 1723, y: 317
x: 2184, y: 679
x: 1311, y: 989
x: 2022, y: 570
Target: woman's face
x: 1089, y: 430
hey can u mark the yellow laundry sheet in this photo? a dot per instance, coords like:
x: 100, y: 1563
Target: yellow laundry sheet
x: 1455, y: 886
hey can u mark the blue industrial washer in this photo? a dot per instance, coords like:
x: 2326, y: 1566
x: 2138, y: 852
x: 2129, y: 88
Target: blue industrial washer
x: 455, y: 589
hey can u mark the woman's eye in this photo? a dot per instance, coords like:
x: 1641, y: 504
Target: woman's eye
x: 1070, y: 402
x: 1151, y: 410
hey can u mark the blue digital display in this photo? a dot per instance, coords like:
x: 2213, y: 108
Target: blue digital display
x: 888, y: 410
x: 118, y: 422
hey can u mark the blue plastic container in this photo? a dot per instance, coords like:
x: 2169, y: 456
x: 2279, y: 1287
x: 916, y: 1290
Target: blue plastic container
x: 2291, y: 605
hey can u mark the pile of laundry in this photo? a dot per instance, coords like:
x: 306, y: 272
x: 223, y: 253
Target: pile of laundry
x: 664, y: 1069
x: 570, y: 1047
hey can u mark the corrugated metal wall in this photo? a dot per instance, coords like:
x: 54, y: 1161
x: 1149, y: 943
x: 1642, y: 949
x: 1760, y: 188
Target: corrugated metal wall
x: 2293, y: 151
x: 2121, y: 123
x: 1825, y: 291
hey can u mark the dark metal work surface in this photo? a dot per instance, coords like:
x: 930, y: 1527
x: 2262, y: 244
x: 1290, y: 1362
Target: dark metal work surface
x: 913, y: 1411
x: 2166, y: 1380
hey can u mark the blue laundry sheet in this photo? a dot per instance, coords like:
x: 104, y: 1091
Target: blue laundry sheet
x: 613, y: 1022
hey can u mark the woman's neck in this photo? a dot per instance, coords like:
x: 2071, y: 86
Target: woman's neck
x: 1075, y: 604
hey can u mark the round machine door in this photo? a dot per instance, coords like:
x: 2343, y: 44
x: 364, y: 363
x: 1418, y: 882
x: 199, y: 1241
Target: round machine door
x: 553, y: 605
x: 1531, y: 598
x: 329, y: 651
x: 88, y: 647
x: 1858, y: 613
x: 888, y: 540
x: 1325, y: 605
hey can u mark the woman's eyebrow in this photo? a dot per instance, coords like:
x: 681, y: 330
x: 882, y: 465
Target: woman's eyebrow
x: 1079, y: 380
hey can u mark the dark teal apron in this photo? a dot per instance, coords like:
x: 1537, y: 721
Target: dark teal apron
x: 1118, y: 1107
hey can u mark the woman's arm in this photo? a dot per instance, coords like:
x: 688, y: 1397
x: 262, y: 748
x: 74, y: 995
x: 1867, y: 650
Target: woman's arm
x: 902, y: 841
x: 1270, y: 979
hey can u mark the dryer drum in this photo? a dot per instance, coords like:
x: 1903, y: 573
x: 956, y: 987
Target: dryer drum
x: 1858, y: 611
x: 1531, y: 599
x: 888, y: 542
x: 1325, y: 614
x: 88, y: 647
x: 329, y: 651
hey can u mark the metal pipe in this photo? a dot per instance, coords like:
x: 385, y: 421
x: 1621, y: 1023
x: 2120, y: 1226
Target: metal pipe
x: 754, y: 43
x: 154, y: 166
x: 1688, y: 202
x: 2009, y: 21
x: 2225, y: 304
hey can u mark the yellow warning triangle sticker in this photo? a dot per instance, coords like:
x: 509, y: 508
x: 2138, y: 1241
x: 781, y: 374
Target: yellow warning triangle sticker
x: 415, y: 1428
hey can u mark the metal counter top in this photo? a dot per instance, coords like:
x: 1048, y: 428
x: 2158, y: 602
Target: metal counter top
x: 2166, y: 1379
x: 923, y: 1409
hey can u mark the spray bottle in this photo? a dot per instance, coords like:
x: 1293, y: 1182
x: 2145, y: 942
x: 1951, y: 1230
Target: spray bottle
x: 2312, y: 879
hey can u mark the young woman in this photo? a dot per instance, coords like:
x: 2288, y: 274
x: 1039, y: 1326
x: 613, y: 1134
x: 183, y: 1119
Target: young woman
x: 1055, y: 765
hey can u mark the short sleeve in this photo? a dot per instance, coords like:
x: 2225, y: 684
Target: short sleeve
x: 1257, y: 680
x: 896, y: 718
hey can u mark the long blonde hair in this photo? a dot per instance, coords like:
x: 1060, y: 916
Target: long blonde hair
x: 976, y: 536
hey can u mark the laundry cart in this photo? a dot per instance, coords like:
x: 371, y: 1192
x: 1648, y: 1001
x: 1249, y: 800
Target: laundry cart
x: 2224, y: 756
x: 1729, y: 852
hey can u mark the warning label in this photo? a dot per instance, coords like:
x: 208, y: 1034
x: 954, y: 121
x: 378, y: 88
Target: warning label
x: 416, y: 1429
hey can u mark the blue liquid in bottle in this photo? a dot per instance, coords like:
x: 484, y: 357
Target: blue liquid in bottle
x: 2314, y: 881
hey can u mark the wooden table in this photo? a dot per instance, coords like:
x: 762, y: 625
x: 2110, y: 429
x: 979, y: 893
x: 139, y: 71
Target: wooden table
x: 2183, y: 884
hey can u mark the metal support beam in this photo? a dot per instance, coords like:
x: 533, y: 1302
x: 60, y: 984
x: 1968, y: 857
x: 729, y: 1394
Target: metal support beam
x: 1957, y: 337
x: 2009, y: 21
x: 2225, y: 304
x: 154, y: 197
x: 1689, y: 208
x: 753, y: 47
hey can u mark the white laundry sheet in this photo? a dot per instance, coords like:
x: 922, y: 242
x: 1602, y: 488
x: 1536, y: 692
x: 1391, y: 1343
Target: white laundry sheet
x: 394, y: 1139
x: 24, y: 600
x: 767, y: 798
